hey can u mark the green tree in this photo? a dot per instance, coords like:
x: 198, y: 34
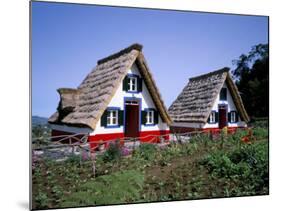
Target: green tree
x: 252, y: 79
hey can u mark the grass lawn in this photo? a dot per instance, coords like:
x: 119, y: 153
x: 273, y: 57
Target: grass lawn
x: 202, y: 168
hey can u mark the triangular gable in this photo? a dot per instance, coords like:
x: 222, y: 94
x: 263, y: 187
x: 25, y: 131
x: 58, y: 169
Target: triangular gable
x: 99, y: 87
x: 195, y: 102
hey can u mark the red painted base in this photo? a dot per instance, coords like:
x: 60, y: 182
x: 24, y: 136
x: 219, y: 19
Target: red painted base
x: 207, y: 130
x: 145, y: 136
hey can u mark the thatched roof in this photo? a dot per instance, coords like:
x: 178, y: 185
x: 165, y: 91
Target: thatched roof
x: 195, y: 102
x: 98, y: 88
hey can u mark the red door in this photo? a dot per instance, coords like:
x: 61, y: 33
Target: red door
x: 132, y: 121
x: 222, y: 116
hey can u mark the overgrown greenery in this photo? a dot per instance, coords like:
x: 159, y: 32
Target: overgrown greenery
x: 201, y: 168
x: 246, y: 167
x: 119, y: 187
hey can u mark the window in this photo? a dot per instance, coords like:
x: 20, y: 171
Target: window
x: 112, y: 118
x: 213, y: 117
x: 223, y: 94
x: 132, y: 86
x: 132, y: 83
x: 233, y: 116
x: 150, y: 117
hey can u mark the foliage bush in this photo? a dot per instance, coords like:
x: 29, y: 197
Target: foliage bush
x: 260, y: 133
x: 73, y: 159
x: 42, y: 200
x: 112, y: 153
x: 247, y: 165
x: 146, y: 152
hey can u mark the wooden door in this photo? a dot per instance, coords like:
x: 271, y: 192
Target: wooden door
x: 132, y: 121
x: 222, y: 116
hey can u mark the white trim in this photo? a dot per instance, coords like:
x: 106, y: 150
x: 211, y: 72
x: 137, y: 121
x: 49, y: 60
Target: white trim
x: 213, y: 117
x: 232, y: 116
x: 111, y: 117
x: 150, y: 115
x: 131, y: 79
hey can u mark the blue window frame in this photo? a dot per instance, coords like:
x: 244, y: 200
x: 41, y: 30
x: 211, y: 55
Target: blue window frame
x: 112, y: 118
x: 149, y: 117
x: 132, y: 83
x: 213, y: 118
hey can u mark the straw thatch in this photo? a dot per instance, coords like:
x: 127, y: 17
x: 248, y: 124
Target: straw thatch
x: 98, y: 88
x: 195, y: 102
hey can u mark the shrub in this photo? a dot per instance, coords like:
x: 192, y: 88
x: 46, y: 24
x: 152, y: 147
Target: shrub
x: 112, y: 153
x: 42, y: 200
x: 74, y: 159
x: 260, y: 133
x: 146, y: 152
x: 248, y: 165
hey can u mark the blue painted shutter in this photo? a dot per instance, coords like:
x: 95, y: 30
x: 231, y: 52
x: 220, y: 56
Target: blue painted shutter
x: 120, y: 117
x: 139, y: 84
x: 156, y: 116
x: 143, y: 117
x: 126, y: 84
x: 103, y: 121
x: 217, y: 117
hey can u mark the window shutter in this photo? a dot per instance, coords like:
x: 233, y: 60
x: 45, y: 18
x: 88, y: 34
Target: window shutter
x: 209, y: 118
x: 120, y: 117
x: 217, y: 117
x: 156, y: 116
x: 139, y: 84
x: 143, y: 117
x: 103, y: 120
x: 125, y: 84
x: 229, y: 116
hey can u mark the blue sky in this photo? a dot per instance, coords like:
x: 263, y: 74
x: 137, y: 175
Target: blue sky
x: 68, y: 39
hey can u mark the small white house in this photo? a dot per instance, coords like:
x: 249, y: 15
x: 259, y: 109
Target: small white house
x: 209, y: 102
x: 118, y: 99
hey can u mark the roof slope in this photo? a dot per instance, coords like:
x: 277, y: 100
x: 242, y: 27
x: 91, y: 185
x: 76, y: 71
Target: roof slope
x: 195, y: 102
x: 100, y: 85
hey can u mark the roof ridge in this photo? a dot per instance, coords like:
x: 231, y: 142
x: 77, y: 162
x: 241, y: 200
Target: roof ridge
x: 222, y: 70
x: 135, y: 46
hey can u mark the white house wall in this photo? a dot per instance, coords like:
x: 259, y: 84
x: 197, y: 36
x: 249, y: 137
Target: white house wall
x: 118, y: 101
x: 231, y: 107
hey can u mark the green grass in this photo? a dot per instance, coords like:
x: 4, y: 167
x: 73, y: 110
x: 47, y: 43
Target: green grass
x: 119, y: 187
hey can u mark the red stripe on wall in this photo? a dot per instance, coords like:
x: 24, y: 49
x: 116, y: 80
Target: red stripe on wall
x: 212, y: 130
x: 145, y: 136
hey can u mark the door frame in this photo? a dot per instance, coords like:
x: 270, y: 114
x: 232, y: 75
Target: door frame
x: 226, y: 112
x: 139, y: 100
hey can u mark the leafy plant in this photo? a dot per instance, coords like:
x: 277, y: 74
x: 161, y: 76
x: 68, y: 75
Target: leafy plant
x: 145, y: 152
x: 112, y: 153
x: 42, y: 200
